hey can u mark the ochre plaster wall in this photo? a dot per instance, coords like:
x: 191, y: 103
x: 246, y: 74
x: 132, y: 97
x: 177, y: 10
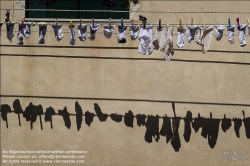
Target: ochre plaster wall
x: 120, y: 72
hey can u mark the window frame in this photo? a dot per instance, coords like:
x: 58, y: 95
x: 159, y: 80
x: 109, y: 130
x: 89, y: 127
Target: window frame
x: 73, y: 19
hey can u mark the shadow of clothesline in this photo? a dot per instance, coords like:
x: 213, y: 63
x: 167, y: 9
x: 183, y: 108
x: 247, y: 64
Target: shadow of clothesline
x: 169, y: 129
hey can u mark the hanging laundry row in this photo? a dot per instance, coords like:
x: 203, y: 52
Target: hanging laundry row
x: 202, y: 35
x: 24, y: 29
x: 163, y: 40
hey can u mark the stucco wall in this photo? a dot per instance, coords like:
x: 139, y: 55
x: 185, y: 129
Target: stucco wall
x: 95, y: 71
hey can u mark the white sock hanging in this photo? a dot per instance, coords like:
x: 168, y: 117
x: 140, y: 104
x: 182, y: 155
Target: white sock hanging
x: 93, y: 30
x: 145, y: 38
x: 219, y: 32
x: 158, y: 42
x: 82, y: 32
x: 42, y: 33
x: 230, y: 31
x: 198, y: 35
x: 9, y: 31
x: 169, y: 51
x: 180, y: 39
x: 242, y: 36
x: 134, y: 32
x: 72, y: 40
x: 122, y: 31
x: 20, y: 34
x: 108, y: 30
x: 27, y: 30
x: 58, y: 32
x: 206, y: 38
x: 191, y: 31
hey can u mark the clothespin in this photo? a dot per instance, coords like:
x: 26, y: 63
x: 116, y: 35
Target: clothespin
x: 238, y: 23
x: 109, y: 22
x: 56, y: 22
x: 70, y: 24
x: 168, y: 30
x: 7, y: 16
x: 159, y: 27
x: 93, y: 22
x: 218, y: 21
x: 192, y: 21
x: 204, y: 23
x: 7, y: 20
x: 143, y: 19
x: 80, y: 22
x: 180, y: 25
x: 22, y: 23
x: 42, y: 24
x: 229, y: 23
x: 32, y: 23
x: 248, y: 21
x: 122, y: 22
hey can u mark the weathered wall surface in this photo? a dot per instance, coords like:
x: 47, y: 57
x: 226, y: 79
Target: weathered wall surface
x: 146, y: 85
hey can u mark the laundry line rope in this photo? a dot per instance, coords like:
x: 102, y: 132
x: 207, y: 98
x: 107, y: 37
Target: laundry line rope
x: 116, y: 23
x: 112, y: 32
x: 120, y: 11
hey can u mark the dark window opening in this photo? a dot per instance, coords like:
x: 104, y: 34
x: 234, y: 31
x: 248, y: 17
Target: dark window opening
x: 121, y: 5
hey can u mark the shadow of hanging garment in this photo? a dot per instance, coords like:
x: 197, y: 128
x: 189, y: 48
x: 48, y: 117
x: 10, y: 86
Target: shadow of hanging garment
x: 79, y: 115
x: 187, y: 129
x: 176, y: 142
x: 205, y: 128
x: 129, y: 119
x: 102, y: 117
x: 166, y: 129
x: 31, y: 112
x: 48, y: 115
x: 213, y: 132
x: 89, y: 118
x: 27, y: 112
x: 141, y: 118
x: 237, y: 125
x: 5, y: 109
x: 38, y: 112
x: 116, y: 117
x: 210, y: 130
x: 246, y: 122
x: 226, y: 123
x: 18, y: 109
x: 66, y: 117
x: 198, y: 123
x: 152, y: 128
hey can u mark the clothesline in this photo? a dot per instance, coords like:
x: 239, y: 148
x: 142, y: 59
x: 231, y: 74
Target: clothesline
x: 115, y: 23
x: 120, y: 11
x: 114, y: 32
